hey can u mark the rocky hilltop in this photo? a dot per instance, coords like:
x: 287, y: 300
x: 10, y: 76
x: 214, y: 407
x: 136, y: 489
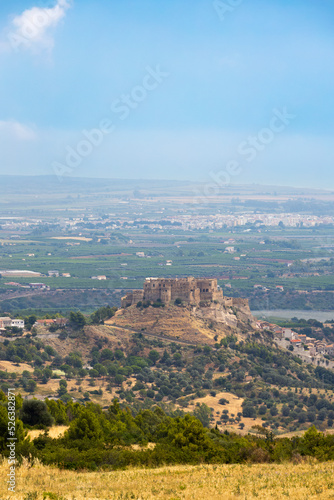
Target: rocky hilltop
x: 188, y: 309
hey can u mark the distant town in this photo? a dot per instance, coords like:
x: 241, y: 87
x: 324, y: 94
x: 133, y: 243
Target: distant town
x: 182, y: 221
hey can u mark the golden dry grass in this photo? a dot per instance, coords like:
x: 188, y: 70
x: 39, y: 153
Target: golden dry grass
x: 54, y: 432
x: 173, y: 322
x: 205, y: 482
x: 234, y: 406
x: 8, y: 366
x: 301, y: 433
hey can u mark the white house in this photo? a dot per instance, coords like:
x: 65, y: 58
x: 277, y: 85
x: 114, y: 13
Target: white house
x: 53, y: 274
x: 39, y: 286
x: 19, y: 323
x: 6, y: 322
x: 229, y: 250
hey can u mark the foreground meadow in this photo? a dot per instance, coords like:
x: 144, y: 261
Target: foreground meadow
x: 265, y: 481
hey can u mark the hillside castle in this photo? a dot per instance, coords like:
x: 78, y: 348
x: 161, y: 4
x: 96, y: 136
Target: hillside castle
x: 190, y: 290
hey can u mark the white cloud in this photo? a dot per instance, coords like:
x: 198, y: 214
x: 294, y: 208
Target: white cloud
x: 33, y: 29
x: 16, y: 130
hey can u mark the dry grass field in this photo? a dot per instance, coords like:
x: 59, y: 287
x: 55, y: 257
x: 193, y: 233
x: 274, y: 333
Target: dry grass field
x: 8, y: 366
x: 234, y: 406
x: 205, y: 482
x: 54, y: 432
x: 174, y: 322
x: 301, y: 433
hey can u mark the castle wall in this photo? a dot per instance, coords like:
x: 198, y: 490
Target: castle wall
x: 192, y: 291
x: 132, y: 298
x: 209, y: 290
x: 240, y: 303
x: 228, y: 301
x: 197, y: 296
x: 170, y: 289
x: 189, y: 290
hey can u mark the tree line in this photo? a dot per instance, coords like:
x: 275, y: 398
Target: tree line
x: 103, y: 439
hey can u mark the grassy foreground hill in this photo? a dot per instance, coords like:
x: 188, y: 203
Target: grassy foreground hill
x: 216, y: 482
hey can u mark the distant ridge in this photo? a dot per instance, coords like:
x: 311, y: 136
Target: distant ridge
x: 50, y: 183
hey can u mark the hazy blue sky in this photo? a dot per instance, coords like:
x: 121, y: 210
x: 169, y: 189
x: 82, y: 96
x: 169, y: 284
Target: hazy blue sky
x: 173, y: 90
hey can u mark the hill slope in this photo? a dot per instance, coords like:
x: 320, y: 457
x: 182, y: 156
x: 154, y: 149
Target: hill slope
x: 198, y: 325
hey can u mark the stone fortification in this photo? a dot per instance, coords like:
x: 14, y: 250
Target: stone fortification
x: 190, y: 290
x: 204, y: 300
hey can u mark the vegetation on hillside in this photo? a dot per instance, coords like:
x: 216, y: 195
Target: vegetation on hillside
x: 275, y: 387
x: 97, y: 438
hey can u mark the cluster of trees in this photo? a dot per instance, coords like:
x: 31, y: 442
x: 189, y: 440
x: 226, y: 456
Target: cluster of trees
x: 76, y: 319
x: 102, y: 439
x: 43, y: 359
x: 26, y: 350
x: 277, y: 408
x: 102, y: 314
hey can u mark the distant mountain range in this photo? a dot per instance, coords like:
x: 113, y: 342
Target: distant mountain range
x: 28, y: 184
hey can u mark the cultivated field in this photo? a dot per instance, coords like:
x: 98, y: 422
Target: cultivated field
x: 298, y: 482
